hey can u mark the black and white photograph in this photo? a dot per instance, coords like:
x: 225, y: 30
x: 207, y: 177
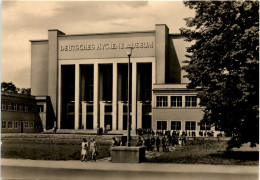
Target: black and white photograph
x: 124, y: 90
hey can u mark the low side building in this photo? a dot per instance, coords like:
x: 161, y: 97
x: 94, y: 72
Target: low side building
x: 177, y: 108
x: 19, y: 114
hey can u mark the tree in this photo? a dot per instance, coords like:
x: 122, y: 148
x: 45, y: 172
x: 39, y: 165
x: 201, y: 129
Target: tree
x: 8, y: 87
x: 224, y: 62
x: 26, y: 91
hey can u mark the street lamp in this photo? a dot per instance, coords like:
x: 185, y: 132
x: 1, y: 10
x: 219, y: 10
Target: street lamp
x: 129, y: 53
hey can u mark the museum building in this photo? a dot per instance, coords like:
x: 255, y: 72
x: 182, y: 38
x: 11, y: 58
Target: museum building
x: 85, y: 77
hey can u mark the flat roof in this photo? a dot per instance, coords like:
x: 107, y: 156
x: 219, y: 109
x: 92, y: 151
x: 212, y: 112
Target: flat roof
x: 107, y: 33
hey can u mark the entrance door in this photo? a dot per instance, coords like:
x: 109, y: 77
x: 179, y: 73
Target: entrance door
x: 21, y: 126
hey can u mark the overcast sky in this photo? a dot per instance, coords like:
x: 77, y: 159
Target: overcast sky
x: 24, y: 21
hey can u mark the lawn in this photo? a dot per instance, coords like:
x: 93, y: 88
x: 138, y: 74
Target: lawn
x: 206, y: 152
x: 50, y: 146
x: 67, y: 147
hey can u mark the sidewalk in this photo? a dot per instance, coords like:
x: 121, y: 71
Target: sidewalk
x: 105, y: 165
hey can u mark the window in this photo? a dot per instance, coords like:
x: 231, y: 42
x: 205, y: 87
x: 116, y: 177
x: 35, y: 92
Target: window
x: 40, y: 108
x: 10, y: 124
x: 26, y: 109
x: 20, y: 107
x: 26, y: 124
x: 190, y: 125
x: 3, y: 106
x: 10, y: 106
x: 162, y: 101
x: 31, y: 124
x: 176, y: 101
x: 15, y: 106
x: 108, y: 108
x: 205, y: 126
x: 161, y: 125
x: 191, y: 101
x: 3, y: 124
x: 15, y: 124
x: 176, y: 125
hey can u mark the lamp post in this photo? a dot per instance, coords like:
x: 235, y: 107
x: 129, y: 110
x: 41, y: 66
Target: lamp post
x: 129, y: 53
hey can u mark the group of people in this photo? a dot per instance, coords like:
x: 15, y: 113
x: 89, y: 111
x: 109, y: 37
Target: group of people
x: 92, y: 147
x: 100, y: 130
x: 150, y: 142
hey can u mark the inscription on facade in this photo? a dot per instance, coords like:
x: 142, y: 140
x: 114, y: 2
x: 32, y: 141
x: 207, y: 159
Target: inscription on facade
x: 106, y: 46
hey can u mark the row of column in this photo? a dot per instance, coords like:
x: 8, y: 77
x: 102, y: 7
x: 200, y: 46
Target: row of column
x: 96, y: 96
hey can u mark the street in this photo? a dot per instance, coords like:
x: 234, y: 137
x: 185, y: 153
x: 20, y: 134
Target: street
x: 18, y: 172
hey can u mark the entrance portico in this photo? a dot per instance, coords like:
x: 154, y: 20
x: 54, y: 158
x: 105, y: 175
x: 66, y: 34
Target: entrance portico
x: 105, y: 105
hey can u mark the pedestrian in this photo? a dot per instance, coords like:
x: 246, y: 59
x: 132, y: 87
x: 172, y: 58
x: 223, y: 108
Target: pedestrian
x: 164, y: 143
x: 183, y: 138
x: 158, y: 142
x: 139, y: 142
x: 152, y: 143
x: 93, y: 149
x: 167, y: 145
x: 97, y: 129
x: 101, y: 131
x: 114, y: 142
x: 84, y: 148
x: 180, y: 141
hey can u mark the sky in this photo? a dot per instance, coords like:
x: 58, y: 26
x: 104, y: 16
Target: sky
x: 22, y: 21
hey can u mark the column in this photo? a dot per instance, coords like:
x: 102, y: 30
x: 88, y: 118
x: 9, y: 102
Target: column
x: 134, y: 75
x: 153, y: 96
x: 120, y: 115
x: 139, y: 114
x: 76, y: 126
x: 96, y: 99
x: 59, y: 98
x: 84, y: 114
x: 114, y: 116
x: 102, y: 114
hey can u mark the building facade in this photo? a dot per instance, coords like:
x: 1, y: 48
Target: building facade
x: 19, y: 114
x: 85, y: 78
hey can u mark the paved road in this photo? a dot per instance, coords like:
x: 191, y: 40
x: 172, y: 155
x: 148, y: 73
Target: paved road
x: 18, y: 172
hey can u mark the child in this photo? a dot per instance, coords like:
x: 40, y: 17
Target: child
x: 93, y: 149
x: 84, y: 148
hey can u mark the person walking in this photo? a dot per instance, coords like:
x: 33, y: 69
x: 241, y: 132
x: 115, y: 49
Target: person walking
x: 84, y: 148
x: 93, y: 149
x: 158, y: 142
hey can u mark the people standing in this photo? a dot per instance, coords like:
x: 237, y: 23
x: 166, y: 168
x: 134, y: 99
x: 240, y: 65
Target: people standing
x: 164, y: 143
x: 84, y: 148
x: 93, y: 149
x: 180, y: 141
x: 152, y: 143
x: 97, y: 129
x: 183, y: 138
x: 158, y: 142
x: 101, y: 131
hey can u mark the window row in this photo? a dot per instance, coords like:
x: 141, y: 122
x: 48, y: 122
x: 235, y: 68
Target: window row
x: 14, y: 124
x: 9, y: 106
x: 176, y: 125
x: 176, y: 101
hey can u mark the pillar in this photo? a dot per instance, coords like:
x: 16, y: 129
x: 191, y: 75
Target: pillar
x: 134, y: 75
x: 102, y: 114
x: 139, y: 114
x: 77, y: 79
x: 114, y: 116
x: 120, y: 115
x: 96, y: 99
x: 84, y: 114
